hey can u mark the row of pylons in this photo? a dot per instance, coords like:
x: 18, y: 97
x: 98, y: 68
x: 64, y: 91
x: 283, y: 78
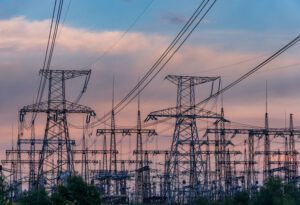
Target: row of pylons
x: 214, y: 163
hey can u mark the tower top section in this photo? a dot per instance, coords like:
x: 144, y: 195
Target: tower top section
x: 195, y: 80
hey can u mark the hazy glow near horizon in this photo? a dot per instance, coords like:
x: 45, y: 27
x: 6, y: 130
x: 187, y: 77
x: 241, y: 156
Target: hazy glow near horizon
x: 235, y: 37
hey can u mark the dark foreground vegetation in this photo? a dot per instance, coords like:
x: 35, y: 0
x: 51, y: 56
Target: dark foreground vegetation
x: 273, y: 193
x: 76, y: 191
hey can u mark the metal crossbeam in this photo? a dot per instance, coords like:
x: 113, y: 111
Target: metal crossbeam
x: 126, y: 131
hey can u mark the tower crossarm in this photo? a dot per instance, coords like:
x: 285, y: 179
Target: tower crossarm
x: 126, y: 131
x: 160, y: 152
x: 276, y: 152
x: 244, y: 162
x: 37, y: 161
x: 152, y: 152
x: 214, y: 142
x: 247, y: 171
x: 49, y: 141
x: 212, y: 152
x: 59, y: 107
x: 14, y: 161
x: 281, y: 162
x: 93, y: 152
x: 263, y: 131
x: 79, y: 161
x: 219, y: 152
x: 67, y: 74
x: 22, y: 151
x: 190, y: 79
x: 128, y: 161
x: 175, y: 112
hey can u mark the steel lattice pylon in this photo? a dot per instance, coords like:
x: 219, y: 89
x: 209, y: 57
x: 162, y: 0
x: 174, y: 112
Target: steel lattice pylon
x: 183, y: 179
x: 56, y: 153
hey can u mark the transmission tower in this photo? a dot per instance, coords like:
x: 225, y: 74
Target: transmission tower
x: 267, y: 157
x: 56, y: 142
x: 185, y: 177
x: 293, y: 163
x: 117, y: 178
x: 142, y: 175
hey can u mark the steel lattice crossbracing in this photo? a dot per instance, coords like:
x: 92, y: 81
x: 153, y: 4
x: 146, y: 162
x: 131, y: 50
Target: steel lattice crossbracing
x: 113, y: 182
x: 203, y: 164
x: 184, y: 178
x: 55, y: 160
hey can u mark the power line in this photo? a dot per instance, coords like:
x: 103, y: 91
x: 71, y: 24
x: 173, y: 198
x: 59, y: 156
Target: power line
x: 249, y: 73
x: 193, y: 22
x: 65, y: 17
x: 252, y: 71
x: 123, y: 35
x: 168, y: 50
x: 42, y: 80
x: 243, y: 77
x: 56, y: 15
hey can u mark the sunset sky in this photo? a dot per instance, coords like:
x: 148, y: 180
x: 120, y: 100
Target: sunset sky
x: 233, y: 38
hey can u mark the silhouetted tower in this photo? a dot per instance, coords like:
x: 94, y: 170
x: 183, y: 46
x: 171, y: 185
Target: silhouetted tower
x: 15, y: 189
x: 32, y: 167
x: 113, y: 148
x: 104, y: 156
x: 185, y: 144
x: 246, y: 170
x: 207, y: 172
x: 19, y: 165
x: 56, y: 141
x: 146, y: 180
x: 142, y: 172
x: 287, y: 162
x: 228, y: 174
x: 106, y: 182
x: 267, y: 156
x: 117, y: 178
x: 217, y: 186
x: 123, y: 183
x: 84, y: 158
x: 222, y: 158
x: 293, y: 164
x: 250, y: 172
x: 139, y: 176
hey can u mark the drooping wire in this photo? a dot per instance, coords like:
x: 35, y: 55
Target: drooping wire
x: 249, y: 73
x: 42, y: 79
x: 64, y: 18
x: 56, y: 15
x: 168, y: 59
x: 159, y: 64
x: 123, y: 35
x: 168, y: 50
x: 255, y: 69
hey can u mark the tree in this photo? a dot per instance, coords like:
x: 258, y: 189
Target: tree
x: 36, y: 197
x: 3, y: 191
x: 241, y: 198
x: 292, y: 194
x: 76, y: 191
x: 274, y: 192
x: 271, y: 193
